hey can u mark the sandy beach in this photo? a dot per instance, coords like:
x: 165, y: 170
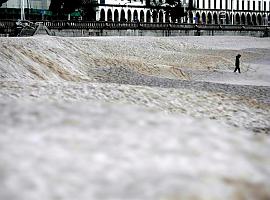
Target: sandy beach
x: 134, y: 118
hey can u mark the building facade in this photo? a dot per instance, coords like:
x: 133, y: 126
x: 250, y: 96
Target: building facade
x: 245, y: 12
x: 34, y: 4
x: 240, y: 12
x: 129, y: 10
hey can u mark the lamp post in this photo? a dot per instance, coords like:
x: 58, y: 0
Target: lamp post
x: 185, y: 11
x: 22, y: 10
x: 232, y: 11
x: 124, y: 6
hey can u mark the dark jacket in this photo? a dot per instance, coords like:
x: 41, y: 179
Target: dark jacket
x: 237, y: 62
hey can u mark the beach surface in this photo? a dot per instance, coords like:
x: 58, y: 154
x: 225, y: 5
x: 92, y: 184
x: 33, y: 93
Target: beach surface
x: 134, y: 118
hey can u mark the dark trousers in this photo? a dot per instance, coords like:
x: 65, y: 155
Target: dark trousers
x: 237, y: 68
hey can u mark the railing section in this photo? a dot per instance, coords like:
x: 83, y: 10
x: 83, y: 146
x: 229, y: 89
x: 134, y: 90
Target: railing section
x: 8, y: 26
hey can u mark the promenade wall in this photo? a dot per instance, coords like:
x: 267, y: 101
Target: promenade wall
x: 158, y: 33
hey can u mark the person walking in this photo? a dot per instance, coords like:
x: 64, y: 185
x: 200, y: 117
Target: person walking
x: 237, y: 63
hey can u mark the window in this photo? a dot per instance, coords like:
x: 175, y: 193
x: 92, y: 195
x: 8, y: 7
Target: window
x: 243, y: 5
x: 248, y: 5
x: 259, y: 5
x: 264, y: 5
x: 215, y: 4
x: 226, y: 4
x: 237, y: 5
x: 198, y: 3
x: 209, y: 4
x: 203, y: 4
x: 253, y: 5
x: 220, y: 4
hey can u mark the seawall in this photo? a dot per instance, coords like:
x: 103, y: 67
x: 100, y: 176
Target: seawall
x: 159, y: 33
